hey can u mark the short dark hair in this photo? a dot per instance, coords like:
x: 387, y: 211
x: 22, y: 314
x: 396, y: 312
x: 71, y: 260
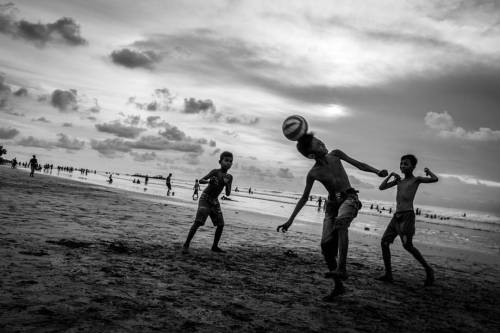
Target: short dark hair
x: 411, y: 158
x: 304, y: 143
x: 225, y: 154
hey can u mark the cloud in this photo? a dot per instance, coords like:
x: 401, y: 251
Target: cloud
x: 162, y: 100
x: 155, y: 121
x: 64, y: 31
x: 67, y: 143
x: 445, y: 126
x: 67, y: 125
x: 8, y: 133
x: 192, y: 105
x: 244, y: 120
x: 4, y: 93
x: 110, y: 147
x: 192, y: 158
x: 212, y: 143
x: 285, y: 173
x: 358, y: 183
x: 134, y: 59
x: 30, y: 141
x: 21, y: 92
x: 144, y: 157
x: 471, y: 180
x: 120, y: 130
x: 64, y: 100
x: 132, y: 120
x: 42, y: 120
x: 173, y: 133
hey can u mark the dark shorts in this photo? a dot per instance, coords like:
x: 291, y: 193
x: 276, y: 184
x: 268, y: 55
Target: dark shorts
x: 403, y: 225
x: 208, y: 206
x: 339, y: 215
x: 169, y: 186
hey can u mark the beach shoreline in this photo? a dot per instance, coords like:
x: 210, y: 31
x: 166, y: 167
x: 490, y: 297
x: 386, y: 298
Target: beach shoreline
x: 83, y: 257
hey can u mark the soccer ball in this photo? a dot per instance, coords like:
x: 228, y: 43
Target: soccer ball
x: 294, y: 127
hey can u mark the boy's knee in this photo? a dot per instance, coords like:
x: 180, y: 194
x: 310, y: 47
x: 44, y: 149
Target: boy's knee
x: 385, y: 243
x: 407, y: 244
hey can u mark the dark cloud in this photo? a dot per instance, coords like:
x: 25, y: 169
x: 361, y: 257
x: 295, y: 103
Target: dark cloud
x: 64, y: 100
x: 192, y: 105
x: 110, y: 147
x: 132, y: 120
x: 212, y: 143
x: 92, y: 118
x: 4, y: 93
x: 65, y: 30
x: 215, y: 152
x: 144, y: 157
x: 161, y: 101
x: 173, y: 133
x: 21, y: 92
x: 67, y: 143
x: 151, y: 142
x: 244, y: 120
x: 30, y: 141
x: 285, y: 173
x: 134, y: 59
x: 155, y: 121
x: 67, y: 125
x: 8, y: 133
x: 42, y: 120
x: 120, y: 130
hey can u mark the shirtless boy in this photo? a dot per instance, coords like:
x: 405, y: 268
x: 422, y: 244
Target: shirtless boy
x: 403, y: 221
x: 342, y: 204
x: 209, y: 205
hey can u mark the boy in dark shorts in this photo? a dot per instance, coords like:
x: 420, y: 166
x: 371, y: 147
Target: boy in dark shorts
x: 208, y: 205
x: 342, y: 204
x: 403, y: 222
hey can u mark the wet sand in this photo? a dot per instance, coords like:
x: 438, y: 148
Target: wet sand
x: 77, y: 257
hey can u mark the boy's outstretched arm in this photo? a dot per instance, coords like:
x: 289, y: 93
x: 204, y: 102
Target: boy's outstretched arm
x: 360, y: 165
x: 302, y: 201
x: 388, y: 184
x: 432, y: 178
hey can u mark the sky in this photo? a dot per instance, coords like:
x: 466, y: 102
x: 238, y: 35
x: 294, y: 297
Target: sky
x: 155, y: 87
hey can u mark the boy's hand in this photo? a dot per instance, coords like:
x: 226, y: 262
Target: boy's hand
x: 284, y: 227
x: 382, y: 173
x: 226, y: 178
x: 396, y: 176
x: 426, y: 170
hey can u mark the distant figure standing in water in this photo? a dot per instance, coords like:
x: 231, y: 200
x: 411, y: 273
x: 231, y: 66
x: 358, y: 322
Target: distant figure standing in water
x: 14, y: 163
x: 341, y: 207
x: 33, y: 163
x: 403, y: 222
x: 169, y: 184
x: 209, y: 205
x: 320, y: 201
x: 196, y: 188
x: 146, y: 180
x: 110, y: 179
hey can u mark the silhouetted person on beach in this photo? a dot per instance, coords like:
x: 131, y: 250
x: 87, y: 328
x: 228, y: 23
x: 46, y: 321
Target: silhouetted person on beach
x: 342, y: 204
x: 320, y: 201
x: 14, y: 163
x: 209, y: 205
x: 146, y: 179
x: 403, y: 221
x: 196, y: 188
x: 33, y: 163
x: 110, y: 179
x: 169, y: 184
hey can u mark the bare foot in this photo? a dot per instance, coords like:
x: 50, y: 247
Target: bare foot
x: 338, y: 290
x: 429, y: 281
x: 185, y: 249
x: 218, y: 249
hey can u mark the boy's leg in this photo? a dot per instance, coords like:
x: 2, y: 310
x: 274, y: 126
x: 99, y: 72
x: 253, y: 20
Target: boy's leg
x: 329, y: 241
x: 218, y: 221
x: 408, y: 245
x: 387, y: 239
x: 201, y: 217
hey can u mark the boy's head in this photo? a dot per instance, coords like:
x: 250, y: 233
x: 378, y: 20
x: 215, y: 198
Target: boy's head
x: 311, y: 147
x: 408, y: 163
x: 226, y: 160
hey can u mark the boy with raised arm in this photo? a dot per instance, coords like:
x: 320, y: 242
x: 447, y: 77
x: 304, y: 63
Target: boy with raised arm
x: 403, y: 221
x: 342, y: 204
x: 208, y: 205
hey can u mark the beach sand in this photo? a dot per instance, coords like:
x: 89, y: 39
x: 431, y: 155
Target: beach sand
x: 76, y: 257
